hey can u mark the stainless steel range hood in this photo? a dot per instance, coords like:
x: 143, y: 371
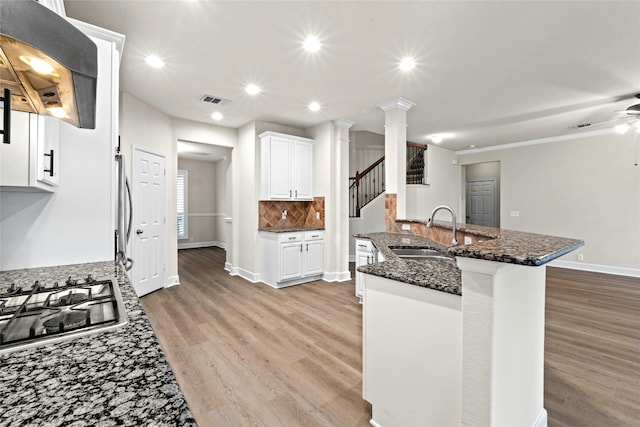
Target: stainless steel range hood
x: 49, y: 65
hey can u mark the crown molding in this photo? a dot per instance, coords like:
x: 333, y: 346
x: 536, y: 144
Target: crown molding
x: 344, y: 123
x: 402, y: 103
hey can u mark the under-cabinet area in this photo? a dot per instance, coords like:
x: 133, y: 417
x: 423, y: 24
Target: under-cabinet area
x: 291, y: 258
x: 30, y: 161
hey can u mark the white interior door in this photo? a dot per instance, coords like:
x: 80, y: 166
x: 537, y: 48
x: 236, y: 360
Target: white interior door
x: 148, y: 221
x: 481, y: 202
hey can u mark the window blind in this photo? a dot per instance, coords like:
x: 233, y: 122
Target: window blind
x: 182, y: 188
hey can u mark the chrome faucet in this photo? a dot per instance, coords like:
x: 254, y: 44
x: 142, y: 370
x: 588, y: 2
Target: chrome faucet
x: 453, y: 215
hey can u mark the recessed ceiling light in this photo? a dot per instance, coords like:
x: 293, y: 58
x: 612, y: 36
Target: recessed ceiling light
x: 437, y: 138
x: 154, y: 61
x: 407, y: 64
x: 314, y: 106
x: 252, y: 89
x: 312, y: 44
x: 217, y: 116
x: 622, y: 129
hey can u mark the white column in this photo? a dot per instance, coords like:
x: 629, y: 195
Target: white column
x: 341, y: 199
x: 502, y: 344
x: 395, y: 150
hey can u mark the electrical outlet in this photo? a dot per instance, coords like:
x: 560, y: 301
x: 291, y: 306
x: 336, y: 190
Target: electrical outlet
x: 580, y: 257
x: 284, y: 214
x: 317, y: 215
x: 515, y: 213
x: 406, y: 227
x: 468, y: 240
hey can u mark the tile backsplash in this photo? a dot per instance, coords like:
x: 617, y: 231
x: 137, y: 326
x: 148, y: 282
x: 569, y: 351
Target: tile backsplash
x: 299, y: 214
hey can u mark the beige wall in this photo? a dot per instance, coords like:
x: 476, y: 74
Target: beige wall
x: 142, y: 125
x: 587, y: 188
x: 201, y: 197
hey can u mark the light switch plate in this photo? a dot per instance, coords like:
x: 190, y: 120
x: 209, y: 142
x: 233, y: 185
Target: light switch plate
x: 515, y: 213
x: 406, y: 227
x: 468, y: 240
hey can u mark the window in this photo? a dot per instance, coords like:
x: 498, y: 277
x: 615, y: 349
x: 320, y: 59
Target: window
x: 182, y: 187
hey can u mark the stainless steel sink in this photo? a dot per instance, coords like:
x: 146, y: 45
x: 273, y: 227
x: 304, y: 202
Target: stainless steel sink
x: 421, y: 253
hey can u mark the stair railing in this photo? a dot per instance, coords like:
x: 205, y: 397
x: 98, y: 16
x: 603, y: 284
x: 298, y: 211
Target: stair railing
x: 366, y: 186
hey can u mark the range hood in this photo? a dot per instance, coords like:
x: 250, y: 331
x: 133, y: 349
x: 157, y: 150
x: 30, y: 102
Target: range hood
x: 49, y: 65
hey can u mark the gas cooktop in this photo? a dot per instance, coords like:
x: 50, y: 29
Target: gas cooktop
x: 41, y: 314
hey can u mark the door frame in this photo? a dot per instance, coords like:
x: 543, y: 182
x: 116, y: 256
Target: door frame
x: 163, y: 255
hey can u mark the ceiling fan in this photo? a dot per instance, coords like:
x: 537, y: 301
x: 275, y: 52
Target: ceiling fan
x: 625, y: 119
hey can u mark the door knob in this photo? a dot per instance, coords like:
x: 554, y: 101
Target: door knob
x: 138, y: 231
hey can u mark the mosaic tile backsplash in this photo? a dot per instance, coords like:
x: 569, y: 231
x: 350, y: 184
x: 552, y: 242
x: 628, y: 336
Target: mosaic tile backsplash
x: 299, y: 214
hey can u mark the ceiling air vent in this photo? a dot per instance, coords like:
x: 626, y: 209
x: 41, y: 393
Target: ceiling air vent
x: 215, y: 100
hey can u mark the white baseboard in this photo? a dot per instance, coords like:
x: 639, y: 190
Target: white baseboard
x: 245, y: 274
x: 344, y: 276
x: 541, y: 421
x: 171, y: 281
x: 194, y: 245
x: 596, y: 268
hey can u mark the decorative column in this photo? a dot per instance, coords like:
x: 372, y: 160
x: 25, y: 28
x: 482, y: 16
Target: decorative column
x: 502, y: 344
x: 395, y: 151
x: 341, y: 204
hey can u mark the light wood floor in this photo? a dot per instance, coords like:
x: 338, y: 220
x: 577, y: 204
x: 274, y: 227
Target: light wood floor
x: 248, y: 355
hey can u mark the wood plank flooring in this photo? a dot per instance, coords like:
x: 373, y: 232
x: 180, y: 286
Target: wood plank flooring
x: 248, y: 355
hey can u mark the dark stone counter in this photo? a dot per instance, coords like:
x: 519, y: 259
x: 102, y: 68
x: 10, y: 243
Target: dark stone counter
x: 118, y: 377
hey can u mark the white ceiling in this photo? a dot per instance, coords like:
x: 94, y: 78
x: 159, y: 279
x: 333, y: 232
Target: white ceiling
x: 487, y: 72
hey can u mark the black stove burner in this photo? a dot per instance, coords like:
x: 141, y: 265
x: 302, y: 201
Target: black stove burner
x: 66, y: 321
x: 72, y: 298
x: 48, y: 313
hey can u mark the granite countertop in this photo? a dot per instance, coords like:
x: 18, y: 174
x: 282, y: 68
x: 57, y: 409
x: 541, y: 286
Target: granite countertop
x: 288, y: 229
x: 118, y: 377
x: 439, y: 275
x: 507, y: 246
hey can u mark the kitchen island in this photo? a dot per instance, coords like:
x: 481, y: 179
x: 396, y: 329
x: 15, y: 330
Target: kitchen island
x: 118, y: 377
x: 449, y: 343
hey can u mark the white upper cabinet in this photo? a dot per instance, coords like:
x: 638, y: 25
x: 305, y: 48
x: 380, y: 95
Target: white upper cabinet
x: 30, y: 161
x: 286, y: 167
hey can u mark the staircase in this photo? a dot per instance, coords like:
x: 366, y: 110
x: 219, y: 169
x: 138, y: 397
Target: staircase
x: 369, y: 184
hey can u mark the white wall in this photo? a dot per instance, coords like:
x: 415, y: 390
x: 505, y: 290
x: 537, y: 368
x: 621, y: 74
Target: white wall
x: 442, y: 188
x: 144, y: 126
x: 586, y: 188
x: 371, y: 220
x: 75, y: 224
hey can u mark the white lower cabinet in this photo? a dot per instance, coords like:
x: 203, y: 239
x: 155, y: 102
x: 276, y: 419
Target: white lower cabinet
x: 291, y: 258
x: 366, y: 253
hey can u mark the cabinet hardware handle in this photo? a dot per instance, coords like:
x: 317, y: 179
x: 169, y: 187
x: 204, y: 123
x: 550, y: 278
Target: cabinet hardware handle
x: 289, y: 193
x: 292, y: 238
x: 307, y: 247
x: 296, y: 193
x: 138, y: 231
x: 6, y: 132
x: 300, y: 247
x: 362, y: 246
x: 315, y: 235
x: 50, y: 170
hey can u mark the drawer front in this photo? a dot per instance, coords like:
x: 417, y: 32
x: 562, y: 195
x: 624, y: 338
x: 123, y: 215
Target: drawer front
x: 313, y: 235
x: 290, y: 237
x: 364, y: 245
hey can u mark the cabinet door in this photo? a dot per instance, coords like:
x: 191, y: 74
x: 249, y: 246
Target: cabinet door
x: 290, y: 261
x: 280, y: 169
x: 48, y: 153
x: 362, y: 258
x: 14, y: 157
x: 302, y: 170
x: 314, y: 264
